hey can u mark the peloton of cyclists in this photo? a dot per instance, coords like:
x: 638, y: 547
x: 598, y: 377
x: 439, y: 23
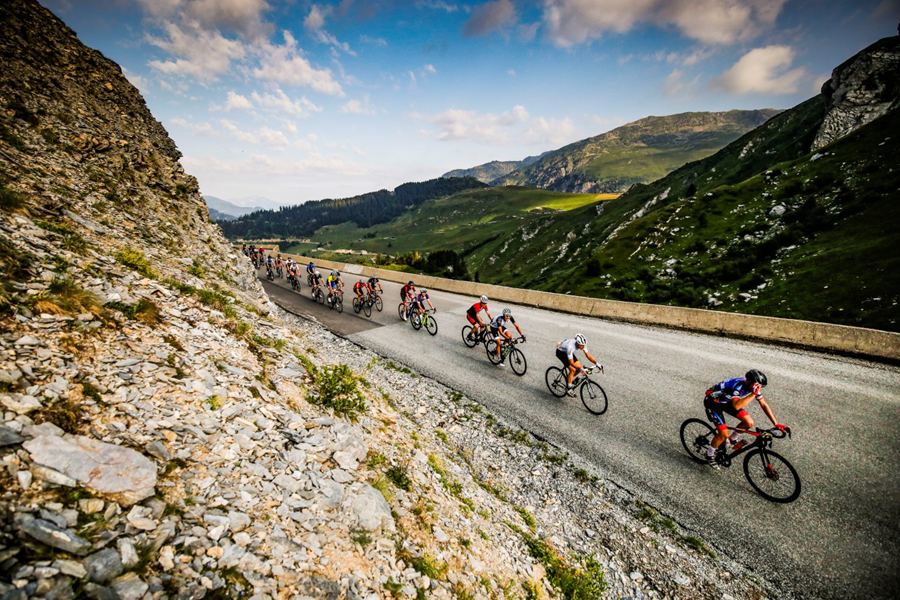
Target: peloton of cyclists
x: 565, y: 352
x: 500, y: 330
x: 730, y: 397
x: 474, y: 317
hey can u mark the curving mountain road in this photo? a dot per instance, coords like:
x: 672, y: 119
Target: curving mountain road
x: 840, y: 539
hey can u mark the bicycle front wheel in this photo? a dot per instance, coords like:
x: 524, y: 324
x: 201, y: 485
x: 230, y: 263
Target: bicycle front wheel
x: 339, y: 304
x: 431, y: 325
x: 401, y: 310
x: 379, y: 303
x: 321, y: 297
x: 772, y: 475
x: 517, y: 362
x: 593, y: 397
x: 416, y: 321
x: 356, y: 305
x: 367, y: 308
x: 695, y: 437
x: 556, y: 381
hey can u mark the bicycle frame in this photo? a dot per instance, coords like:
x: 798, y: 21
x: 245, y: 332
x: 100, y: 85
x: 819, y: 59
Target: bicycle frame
x: 763, y: 439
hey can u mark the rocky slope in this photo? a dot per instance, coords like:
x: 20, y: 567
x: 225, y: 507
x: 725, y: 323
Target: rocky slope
x: 638, y: 152
x: 494, y: 169
x: 165, y: 432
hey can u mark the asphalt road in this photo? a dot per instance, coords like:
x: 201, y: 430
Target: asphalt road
x: 840, y: 539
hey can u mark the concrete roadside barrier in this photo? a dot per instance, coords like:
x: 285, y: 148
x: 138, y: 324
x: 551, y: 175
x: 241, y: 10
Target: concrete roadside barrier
x: 842, y: 339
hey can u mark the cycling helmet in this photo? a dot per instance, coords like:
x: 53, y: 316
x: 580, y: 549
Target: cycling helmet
x: 507, y: 312
x: 410, y: 283
x: 483, y: 299
x: 423, y: 291
x: 316, y: 271
x: 335, y: 272
x: 756, y: 376
x: 375, y: 278
x: 580, y: 340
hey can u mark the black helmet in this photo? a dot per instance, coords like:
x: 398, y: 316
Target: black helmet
x: 756, y: 376
x: 410, y: 283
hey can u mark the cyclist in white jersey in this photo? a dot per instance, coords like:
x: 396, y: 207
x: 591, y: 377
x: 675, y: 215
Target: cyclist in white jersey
x: 565, y: 352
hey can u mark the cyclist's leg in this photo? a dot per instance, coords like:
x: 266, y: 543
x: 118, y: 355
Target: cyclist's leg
x: 715, y: 412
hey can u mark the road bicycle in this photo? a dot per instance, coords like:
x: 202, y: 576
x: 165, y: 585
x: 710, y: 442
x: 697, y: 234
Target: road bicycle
x: 336, y: 300
x: 367, y: 303
x: 417, y: 321
x: 318, y: 294
x: 309, y: 279
x: 508, y: 353
x: 295, y: 282
x: 269, y: 274
x: 769, y: 473
x: 278, y: 272
x: 482, y: 337
x: 592, y: 395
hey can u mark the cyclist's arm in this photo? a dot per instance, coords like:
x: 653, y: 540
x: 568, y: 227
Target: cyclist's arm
x: 766, y: 409
x: 520, y: 329
x: 591, y: 358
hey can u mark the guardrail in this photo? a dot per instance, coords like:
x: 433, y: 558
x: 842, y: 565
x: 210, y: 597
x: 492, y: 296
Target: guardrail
x: 857, y: 341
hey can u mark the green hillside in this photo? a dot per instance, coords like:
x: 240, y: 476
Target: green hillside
x: 638, y: 152
x: 462, y: 222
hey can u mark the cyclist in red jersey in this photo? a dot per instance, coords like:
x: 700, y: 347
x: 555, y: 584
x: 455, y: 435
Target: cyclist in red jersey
x: 406, y: 294
x: 730, y: 397
x: 475, y: 319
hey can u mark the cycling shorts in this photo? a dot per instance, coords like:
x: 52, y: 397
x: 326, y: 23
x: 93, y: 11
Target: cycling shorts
x: 716, y: 411
x: 563, y: 357
x: 497, y: 331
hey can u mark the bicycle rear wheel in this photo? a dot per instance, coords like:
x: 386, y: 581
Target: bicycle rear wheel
x: 379, y: 303
x: 321, y: 297
x: 517, y: 362
x: 556, y: 381
x: 416, y: 321
x: 401, y: 311
x: 356, y: 305
x: 593, y: 397
x: 367, y: 308
x: 339, y: 304
x: 431, y: 325
x: 467, y: 337
x: 695, y: 437
x: 771, y: 475
x: 491, y: 349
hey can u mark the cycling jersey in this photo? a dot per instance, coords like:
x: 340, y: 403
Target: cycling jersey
x: 569, y: 347
x: 476, y: 308
x: 406, y: 290
x: 726, y: 391
x: 310, y: 268
x: 358, y: 287
x: 333, y: 281
x: 499, y: 322
x: 421, y: 299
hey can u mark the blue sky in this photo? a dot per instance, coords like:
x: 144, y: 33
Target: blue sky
x: 295, y: 100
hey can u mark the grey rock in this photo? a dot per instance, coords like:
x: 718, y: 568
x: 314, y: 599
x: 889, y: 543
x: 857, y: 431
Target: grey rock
x: 370, y: 510
x: 287, y: 482
x: 57, y: 537
x: 47, y: 428
x: 332, y: 493
x: 20, y: 404
x: 238, y: 521
x: 129, y: 587
x: 116, y: 472
x: 103, y: 565
x: 70, y: 567
x: 158, y: 450
x: 28, y: 340
x: 8, y: 437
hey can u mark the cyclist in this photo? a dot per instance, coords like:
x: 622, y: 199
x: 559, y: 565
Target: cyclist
x: 270, y: 266
x: 374, y: 286
x: 499, y: 329
x: 278, y: 267
x: 407, y: 292
x: 317, y: 282
x: 565, y: 352
x: 473, y: 316
x: 334, y: 284
x: 730, y: 397
x: 244, y: 250
x: 420, y: 300
x: 310, y: 268
x: 360, y: 288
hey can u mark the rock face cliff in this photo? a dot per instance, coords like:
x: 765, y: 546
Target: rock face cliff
x: 861, y: 90
x: 166, y: 432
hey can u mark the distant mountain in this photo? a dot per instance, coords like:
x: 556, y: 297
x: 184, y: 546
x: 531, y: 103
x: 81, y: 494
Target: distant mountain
x: 639, y: 152
x: 217, y: 206
x: 365, y: 210
x: 488, y: 172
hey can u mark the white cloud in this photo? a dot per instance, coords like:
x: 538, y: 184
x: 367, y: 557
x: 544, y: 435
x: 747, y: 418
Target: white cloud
x: 489, y: 17
x: 200, y: 54
x: 429, y: 69
x: 241, y: 16
x: 284, y: 64
x: 572, y: 22
x: 237, y: 102
x: 203, y: 129
x: 281, y: 103
x: 263, y: 164
x: 509, y: 128
x: 375, y: 41
x: 356, y: 107
x: 315, y: 23
x: 264, y: 136
x: 137, y: 81
x: 511, y: 72
x: 437, y: 5
x: 675, y: 85
x: 763, y: 70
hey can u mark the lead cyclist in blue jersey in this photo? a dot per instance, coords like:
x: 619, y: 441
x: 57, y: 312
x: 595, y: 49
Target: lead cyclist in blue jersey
x: 730, y: 397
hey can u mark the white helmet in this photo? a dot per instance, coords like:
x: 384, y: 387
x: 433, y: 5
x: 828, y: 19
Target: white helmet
x: 579, y: 339
x: 335, y: 272
x: 507, y: 312
x: 483, y: 299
